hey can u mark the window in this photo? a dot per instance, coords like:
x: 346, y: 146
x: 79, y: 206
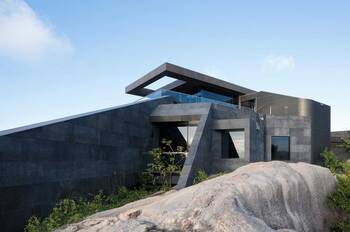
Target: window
x: 280, y: 148
x: 232, y: 144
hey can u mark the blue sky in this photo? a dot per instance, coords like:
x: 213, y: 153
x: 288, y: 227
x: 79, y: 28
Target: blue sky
x: 60, y: 58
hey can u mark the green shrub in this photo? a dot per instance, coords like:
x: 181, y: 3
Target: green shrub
x: 340, y: 199
x: 331, y: 161
x: 69, y: 211
x: 345, y: 145
x: 34, y: 225
x: 166, y: 162
x: 201, y: 175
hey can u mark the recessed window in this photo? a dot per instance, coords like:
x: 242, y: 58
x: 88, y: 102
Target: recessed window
x: 181, y: 134
x: 232, y: 144
x: 280, y: 148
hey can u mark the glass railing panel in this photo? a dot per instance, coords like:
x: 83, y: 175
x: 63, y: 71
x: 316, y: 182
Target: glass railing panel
x: 186, y: 98
x: 214, y: 96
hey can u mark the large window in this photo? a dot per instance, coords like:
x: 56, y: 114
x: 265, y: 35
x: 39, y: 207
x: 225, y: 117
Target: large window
x: 280, y: 148
x: 232, y: 144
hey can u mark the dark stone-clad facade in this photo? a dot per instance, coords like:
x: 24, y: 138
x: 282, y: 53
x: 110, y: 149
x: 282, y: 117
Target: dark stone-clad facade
x: 101, y: 150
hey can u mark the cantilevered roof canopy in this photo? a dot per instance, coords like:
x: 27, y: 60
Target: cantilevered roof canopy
x: 188, y: 81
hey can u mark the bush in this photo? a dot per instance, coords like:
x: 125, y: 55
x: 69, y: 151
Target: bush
x: 331, y: 161
x: 69, y: 211
x: 166, y: 162
x: 345, y: 145
x: 34, y: 225
x: 340, y: 199
x: 201, y: 175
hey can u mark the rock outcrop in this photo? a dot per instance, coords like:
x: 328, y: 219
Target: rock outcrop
x: 271, y: 196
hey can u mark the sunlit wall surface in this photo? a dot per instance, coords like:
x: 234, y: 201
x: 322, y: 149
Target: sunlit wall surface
x: 233, y: 144
x: 188, y: 133
x: 238, y: 141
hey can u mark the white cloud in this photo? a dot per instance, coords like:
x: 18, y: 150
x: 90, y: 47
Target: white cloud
x: 278, y: 63
x: 24, y: 36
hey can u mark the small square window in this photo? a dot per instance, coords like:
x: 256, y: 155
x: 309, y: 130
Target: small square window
x: 280, y: 148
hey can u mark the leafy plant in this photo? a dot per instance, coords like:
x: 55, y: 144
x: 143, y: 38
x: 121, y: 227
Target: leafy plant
x: 34, y: 225
x: 166, y: 161
x: 201, y: 175
x: 345, y: 144
x: 331, y: 161
x: 340, y: 199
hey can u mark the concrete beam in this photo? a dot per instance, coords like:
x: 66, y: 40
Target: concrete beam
x: 199, y: 154
x: 186, y: 76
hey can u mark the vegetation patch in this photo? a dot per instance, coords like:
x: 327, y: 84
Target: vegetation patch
x: 340, y: 199
x: 71, y: 210
x: 166, y: 164
x: 201, y: 176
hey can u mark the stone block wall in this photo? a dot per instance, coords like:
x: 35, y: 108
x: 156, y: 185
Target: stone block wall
x: 228, y: 119
x: 299, y: 130
x: 42, y: 164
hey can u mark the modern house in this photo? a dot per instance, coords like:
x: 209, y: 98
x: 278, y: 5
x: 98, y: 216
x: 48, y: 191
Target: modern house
x: 221, y: 125
x: 229, y: 125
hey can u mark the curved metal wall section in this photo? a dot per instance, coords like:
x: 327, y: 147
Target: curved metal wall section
x: 318, y: 113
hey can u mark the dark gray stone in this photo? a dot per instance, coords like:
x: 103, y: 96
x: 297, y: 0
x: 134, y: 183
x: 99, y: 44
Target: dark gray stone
x: 42, y: 163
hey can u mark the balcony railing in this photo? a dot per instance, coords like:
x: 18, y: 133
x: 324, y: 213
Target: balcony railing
x: 186, y: 98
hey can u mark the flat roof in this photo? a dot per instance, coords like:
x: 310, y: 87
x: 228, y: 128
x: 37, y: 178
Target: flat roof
x: 187, y: 81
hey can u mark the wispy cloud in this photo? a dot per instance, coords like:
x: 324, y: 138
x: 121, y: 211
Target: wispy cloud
x: 24, y: 36
x: 278, y: 63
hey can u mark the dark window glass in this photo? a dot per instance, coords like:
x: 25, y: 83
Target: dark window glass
x: 280, y: 148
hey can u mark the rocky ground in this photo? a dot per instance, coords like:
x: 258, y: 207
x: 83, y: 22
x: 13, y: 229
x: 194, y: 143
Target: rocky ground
x: 265, y: 196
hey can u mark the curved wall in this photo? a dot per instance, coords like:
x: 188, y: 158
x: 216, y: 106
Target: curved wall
x: 318, y: 114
